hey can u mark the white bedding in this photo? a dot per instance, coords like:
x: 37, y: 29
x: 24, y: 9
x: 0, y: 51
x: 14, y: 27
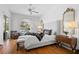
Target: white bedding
x: 48, y: 38
x: 29, y: 40
x: 33, y: 42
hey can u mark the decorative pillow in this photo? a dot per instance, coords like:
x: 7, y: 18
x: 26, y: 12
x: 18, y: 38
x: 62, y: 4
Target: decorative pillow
x: 48, y: 37
x: 46, y: 31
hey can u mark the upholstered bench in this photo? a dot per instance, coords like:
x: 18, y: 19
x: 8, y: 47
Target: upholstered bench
x: 20, y: 42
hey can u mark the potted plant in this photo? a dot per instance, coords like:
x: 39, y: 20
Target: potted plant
x: 65, y: 32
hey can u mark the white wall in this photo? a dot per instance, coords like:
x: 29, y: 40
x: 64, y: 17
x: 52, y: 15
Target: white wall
x: 51, y: 25
x: 16, y: 20
x: 1, y: 29
x: 3, y: 11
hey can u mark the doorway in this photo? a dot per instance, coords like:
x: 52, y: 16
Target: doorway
x: 6, y: 28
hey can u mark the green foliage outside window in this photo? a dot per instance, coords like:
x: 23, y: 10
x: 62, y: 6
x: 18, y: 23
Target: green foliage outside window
x: 25, y: 26
x: 6, y: 23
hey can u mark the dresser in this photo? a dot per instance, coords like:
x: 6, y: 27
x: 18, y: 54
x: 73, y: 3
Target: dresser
x: 70, y: 42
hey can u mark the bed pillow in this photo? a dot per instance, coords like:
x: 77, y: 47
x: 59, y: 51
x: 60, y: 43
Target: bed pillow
x: 48, y: 37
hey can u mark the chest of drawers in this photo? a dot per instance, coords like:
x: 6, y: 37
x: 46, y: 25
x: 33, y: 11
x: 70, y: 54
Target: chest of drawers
x: 70, y: 41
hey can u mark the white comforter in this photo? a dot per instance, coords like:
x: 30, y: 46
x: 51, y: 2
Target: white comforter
x: 33, y: 42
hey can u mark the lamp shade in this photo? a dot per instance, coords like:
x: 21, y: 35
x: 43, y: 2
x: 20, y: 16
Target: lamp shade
x: 40, y: 27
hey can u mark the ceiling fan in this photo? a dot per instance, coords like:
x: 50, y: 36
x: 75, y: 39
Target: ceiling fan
x: 31, y: 9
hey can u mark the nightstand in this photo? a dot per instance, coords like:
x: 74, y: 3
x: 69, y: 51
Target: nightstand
x: 14, y: 34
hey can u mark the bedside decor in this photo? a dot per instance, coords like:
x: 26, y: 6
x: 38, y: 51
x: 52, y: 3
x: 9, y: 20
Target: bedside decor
x: 40, y: 29
x: 40, y: 26
x: 65, y: 33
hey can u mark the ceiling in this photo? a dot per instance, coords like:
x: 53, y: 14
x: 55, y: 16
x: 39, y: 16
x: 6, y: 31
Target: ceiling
x: 49, y: 11
x: 41, y: 8
x: 23, y: 8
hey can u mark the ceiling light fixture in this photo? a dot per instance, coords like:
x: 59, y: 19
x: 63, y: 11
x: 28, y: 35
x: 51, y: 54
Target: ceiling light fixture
x: 31, y: 9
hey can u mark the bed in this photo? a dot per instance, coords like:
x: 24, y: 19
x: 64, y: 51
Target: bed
x: 31, y: 42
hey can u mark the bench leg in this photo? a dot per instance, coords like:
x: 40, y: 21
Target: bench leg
x: 17, y: 46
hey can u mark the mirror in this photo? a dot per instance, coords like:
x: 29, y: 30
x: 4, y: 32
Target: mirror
x: 69, y: 21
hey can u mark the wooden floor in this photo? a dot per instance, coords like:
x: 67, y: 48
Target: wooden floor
x: 10, y: 47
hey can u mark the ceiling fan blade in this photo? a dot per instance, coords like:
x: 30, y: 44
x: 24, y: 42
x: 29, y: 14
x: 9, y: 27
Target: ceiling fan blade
x: 31, y: 9
x: 35, y: 11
